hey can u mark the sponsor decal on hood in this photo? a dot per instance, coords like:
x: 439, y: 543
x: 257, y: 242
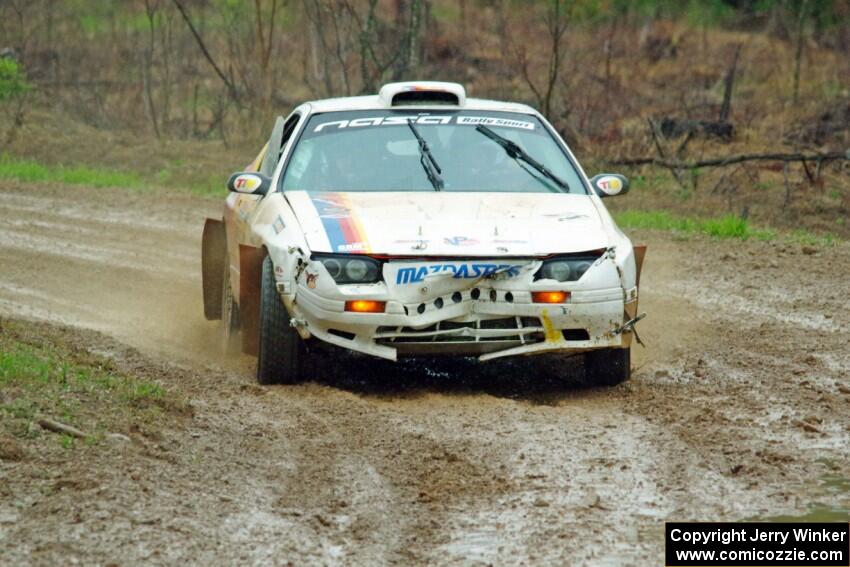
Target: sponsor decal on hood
x: 344, y: 230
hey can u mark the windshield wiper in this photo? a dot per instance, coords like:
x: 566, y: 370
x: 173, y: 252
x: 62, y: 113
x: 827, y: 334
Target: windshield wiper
x: 426, y: 158
x: 519, y: 154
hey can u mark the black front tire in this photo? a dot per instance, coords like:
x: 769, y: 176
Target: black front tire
x: 607, y: 366
x: 282, y: 355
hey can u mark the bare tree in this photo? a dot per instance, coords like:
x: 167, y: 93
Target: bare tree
x: 798, y: 52
x: 375, y: 54
x: 265, y: 20
x: 231, y: 88
x: 367, y: 51
x: 151, y: 9
x: 556, y: 18
x: 409, y: 19
x: 728, y: 86
x: 332, y: 38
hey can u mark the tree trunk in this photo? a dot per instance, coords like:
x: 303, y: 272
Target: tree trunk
x: 798, y: 55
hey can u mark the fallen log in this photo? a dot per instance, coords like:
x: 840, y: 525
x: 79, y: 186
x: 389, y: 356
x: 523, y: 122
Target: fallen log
x: 57, y: 427
x: 735, y: 159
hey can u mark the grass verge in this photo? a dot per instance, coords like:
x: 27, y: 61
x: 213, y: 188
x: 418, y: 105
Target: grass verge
x: 30, y: 171
x: 43, y: 376
x: 728, y: 226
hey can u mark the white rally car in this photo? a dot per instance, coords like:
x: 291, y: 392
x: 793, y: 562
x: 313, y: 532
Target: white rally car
x: 420, y: 222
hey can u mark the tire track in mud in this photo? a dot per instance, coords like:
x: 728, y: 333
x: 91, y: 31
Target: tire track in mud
x: 446, y: 465
x: 368, y: 482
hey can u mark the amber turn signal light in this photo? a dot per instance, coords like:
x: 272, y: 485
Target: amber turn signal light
x: 365, y: 306
x: 550, y: 296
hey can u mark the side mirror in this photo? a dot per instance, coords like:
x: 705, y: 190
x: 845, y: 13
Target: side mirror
x: 249, y: 183
x: 610, y: 184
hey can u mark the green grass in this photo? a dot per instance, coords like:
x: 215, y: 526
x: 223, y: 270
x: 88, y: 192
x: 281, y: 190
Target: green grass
x: 49, y: 381
x: 30, y: 171
x: 728, y: 226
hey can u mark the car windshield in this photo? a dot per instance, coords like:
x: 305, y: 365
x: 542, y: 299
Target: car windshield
x: 379, y: 151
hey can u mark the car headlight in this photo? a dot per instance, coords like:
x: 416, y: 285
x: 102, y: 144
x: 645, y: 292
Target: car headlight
x: 352, y: 269
x: 567, y: 269
x: 558, y: 270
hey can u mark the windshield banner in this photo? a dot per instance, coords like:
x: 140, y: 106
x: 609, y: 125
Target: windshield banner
x: 333, y: 122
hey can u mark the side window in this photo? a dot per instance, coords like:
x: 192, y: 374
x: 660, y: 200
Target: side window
x: 281, y: 134
x: 288, y: 129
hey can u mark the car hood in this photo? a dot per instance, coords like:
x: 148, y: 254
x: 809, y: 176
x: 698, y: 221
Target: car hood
x: 448, y: 224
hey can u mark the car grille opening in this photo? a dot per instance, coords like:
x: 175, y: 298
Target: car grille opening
x: 576, y: 335
x: 481, y: 331
x: 342, y: 334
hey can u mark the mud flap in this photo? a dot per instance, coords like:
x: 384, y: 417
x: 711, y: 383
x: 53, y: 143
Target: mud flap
x: 213, y: 252
x: 631, y: 307
x: 250, y: 275
x: 640, y: 253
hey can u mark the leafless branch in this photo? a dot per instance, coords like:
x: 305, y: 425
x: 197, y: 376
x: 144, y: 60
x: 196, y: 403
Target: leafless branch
x: 737, y: 158
x: 230, y: 86
x: 662, y: 153
x: 729, y: 83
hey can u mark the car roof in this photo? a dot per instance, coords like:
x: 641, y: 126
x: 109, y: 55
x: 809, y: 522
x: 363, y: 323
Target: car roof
x: 373, y: 102
x: 387, y: 99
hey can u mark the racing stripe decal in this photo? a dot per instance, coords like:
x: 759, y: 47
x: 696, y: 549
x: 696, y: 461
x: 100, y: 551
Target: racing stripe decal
x: 345, y: 231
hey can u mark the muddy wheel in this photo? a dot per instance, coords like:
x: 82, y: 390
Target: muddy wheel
x: 282, y: 354
x: 229, y: 325
x: 607, y: 366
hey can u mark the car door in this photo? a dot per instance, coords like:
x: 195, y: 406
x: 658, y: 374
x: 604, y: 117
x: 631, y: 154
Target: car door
x: 240, y: 208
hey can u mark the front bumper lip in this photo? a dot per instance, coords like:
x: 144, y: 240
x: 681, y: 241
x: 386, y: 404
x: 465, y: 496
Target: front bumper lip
x: 599, y: 312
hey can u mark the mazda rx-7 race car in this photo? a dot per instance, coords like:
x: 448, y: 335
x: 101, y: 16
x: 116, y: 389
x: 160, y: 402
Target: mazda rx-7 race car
x: 420, y: 222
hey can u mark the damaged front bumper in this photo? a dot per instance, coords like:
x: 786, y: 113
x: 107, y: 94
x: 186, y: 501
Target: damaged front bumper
x: 485, y: 321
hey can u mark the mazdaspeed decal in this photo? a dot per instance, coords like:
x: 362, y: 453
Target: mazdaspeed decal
x: 344, y: 230
x: 458, y: 270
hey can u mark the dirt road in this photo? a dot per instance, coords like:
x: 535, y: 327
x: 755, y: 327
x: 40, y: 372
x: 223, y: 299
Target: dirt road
x: 739, y: 408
